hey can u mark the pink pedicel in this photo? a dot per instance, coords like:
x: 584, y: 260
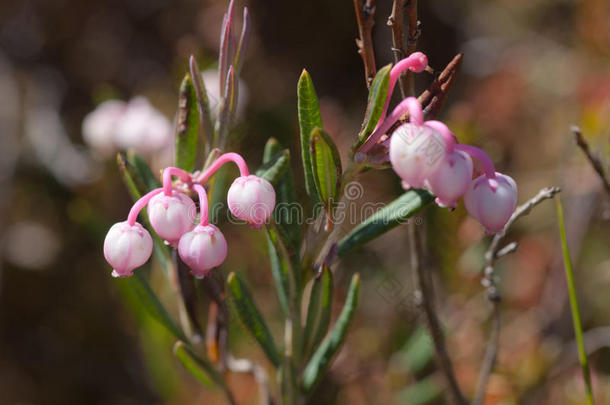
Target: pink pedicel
x: 126, y: 247
x: 451, y: 179
x: 491, y: 201
x: 252, y: 199
x: 202, y: 249
x: 171, y: 215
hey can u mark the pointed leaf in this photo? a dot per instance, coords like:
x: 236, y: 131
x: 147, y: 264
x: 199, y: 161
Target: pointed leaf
x: 326, y: 168
x: 227, y: 108
x: 288, y: 213
x: 191, y: 365
x: 309, y: 118
x: 273, y: 171
x: 284, y: 267
x: 251, y: 318
x: 323, y: 356
x: 393, y: 214
x: 205, y: 117
x: 187, y: 133
x: 378, y: 94
x: 243, y: 42
x: 318, y: 310
x: 144, y: 171
x: 149, y: 300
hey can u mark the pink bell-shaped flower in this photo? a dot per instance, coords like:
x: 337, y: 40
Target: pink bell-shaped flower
x: 451, y: 179
x: 252, y: 199
x: 491, y: 201
x: 416, y: 152
x: 127, y: 247
x: 171, y: 215
x: 202, y: 249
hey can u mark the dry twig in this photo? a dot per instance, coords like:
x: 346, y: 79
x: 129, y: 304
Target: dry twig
x: 594, y: 160
x: 490, y: 282
x: 396, y: 23
x: 365, y: 17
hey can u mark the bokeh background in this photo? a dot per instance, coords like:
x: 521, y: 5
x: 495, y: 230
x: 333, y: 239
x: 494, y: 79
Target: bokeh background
x: 68, y: 335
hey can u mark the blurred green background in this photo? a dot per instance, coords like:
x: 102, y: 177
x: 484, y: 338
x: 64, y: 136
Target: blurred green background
x: 531, y: 69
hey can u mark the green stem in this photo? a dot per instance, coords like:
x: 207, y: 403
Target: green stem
x: 582, y: 354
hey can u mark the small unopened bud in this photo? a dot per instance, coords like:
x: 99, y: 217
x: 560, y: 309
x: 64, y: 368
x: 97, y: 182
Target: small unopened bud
x: 491, y: 201
x: 252, y: 199
x: 171, y: 215
x: 127, y: 247
x: 202, y: 249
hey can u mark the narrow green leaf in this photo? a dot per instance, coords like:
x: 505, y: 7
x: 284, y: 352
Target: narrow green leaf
x: 323, y: 356
x: 251, y: 318
x: 134, y: 183
x: 318, y: 310
x: 393, y: 214
x: 226, y: 111
x: 205, y: 117
x: 187, y: 133
x: 421, y: 392
x: 285, y: 268
x: 377, y: 98
x: 309, y: 118
x: 149, y: 300
x: 576, y: 320
x: 273, y: 171
x: 200, y: 373
x: 417, y: 352
x: 144, y: 171
x: 326, y: 168
x: 288, y: 213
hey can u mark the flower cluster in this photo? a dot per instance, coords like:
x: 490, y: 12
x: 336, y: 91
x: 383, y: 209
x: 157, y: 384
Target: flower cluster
x: 172, y: 214
x: 426, y: 154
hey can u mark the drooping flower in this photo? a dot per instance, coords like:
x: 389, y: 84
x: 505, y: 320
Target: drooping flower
x: 451, y: 179
x: 172, y: 215
x: 127, y: 247
x: 252, y: 199
x: 202, y: 249
x: 491, y: 201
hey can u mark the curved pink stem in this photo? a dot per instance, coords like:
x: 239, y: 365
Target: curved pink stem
x: 488, y: 166
x: 141, y: 203
x: 222, y: 159
x: 416, y: 117
x: 168, y: 172
x: 203, y: 204
x: 416, y: 62
x: 441, y: 128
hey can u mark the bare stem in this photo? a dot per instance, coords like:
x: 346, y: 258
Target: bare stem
x: 494, y: 252
x: 396, y: 23
x: 365, y: 18
x: 594, y: 160
x: 426, y: 287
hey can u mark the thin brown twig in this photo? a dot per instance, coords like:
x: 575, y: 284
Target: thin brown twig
x: 365, y: 18
x: 258, y: 372
x: 490, y: 282
x: 432, y: 100
x: 396, y: 23
x: 426, y: 288
x: 594, y: 160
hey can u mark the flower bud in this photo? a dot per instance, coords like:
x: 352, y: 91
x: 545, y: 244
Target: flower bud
x: 491, y: 201
x: 415, y: 153
x: 127, y: 247
x: 171, y: 215
x: 452, y: 178
x: 202, y: 249
x: 252, y: 199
